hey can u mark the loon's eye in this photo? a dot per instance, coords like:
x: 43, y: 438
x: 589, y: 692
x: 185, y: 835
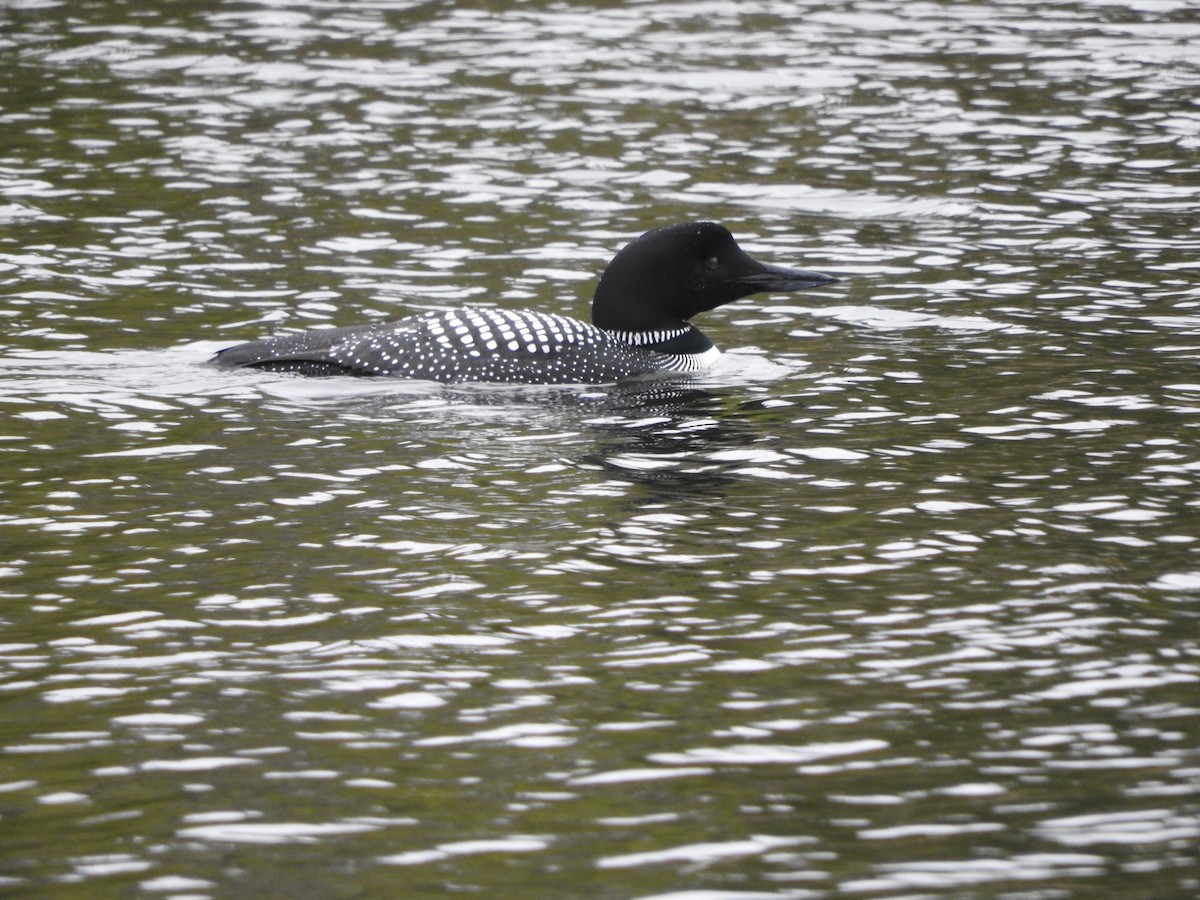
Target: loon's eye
x: 711, y: 263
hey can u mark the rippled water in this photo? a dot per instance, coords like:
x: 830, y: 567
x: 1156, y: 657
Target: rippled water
x: 900, y: 600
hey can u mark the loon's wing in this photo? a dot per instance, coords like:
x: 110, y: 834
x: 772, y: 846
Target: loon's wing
x: 456, y: 347
x: 326, y: 351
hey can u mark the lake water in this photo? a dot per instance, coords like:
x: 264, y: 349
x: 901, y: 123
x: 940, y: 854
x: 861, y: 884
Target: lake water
x: 899, y: 600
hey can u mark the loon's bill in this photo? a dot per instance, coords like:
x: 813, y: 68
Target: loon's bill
x: 641, y: 324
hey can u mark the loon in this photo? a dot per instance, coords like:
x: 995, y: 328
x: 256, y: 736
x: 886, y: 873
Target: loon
x: 641, y: 314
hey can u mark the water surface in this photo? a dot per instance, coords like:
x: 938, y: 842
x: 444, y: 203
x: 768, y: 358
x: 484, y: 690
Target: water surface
x: 900, y: 600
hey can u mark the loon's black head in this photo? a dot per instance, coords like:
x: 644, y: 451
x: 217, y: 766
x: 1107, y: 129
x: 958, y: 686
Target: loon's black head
x: 670, y: 274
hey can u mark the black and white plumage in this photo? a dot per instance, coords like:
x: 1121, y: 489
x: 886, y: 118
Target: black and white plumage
x: 641, y: 312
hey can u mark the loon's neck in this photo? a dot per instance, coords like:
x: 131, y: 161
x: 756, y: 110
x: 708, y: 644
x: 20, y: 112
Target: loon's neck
x: 682, y: 339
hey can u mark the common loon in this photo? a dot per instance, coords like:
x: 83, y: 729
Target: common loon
x: 641, y: 314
